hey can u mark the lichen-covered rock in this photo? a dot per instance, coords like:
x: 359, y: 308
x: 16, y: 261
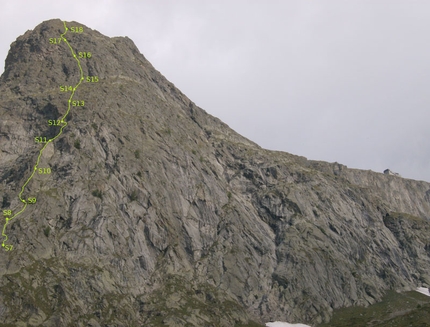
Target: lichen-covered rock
x: 158, y: 214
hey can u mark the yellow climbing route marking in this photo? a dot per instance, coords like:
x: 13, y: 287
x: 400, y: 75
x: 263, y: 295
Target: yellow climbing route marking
x: 32, y: 200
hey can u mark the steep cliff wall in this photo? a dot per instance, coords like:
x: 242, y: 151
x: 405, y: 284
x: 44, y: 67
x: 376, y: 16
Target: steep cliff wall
x: 158, y: 214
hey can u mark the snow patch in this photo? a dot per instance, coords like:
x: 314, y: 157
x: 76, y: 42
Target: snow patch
x: 423, y: 290
x: 284, y: 324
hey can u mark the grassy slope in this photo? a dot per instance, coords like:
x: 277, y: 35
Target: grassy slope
x: 395, y: 310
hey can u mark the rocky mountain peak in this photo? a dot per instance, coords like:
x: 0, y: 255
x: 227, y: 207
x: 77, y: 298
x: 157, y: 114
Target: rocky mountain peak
x: 149, y: 211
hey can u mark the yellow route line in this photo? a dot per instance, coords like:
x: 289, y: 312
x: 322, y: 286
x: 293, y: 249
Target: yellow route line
x: 64, y: 124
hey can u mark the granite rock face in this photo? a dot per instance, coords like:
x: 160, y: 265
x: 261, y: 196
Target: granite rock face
x: 158, y: 214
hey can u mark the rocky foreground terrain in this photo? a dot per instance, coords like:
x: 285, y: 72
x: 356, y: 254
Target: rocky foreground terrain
x: 155, y: 213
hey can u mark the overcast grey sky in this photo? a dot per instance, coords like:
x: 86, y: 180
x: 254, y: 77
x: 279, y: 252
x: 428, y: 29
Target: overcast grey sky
x: 344, y: 80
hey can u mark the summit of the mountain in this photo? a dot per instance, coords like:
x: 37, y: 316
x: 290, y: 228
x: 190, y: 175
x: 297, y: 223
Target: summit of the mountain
x: 156, y: 213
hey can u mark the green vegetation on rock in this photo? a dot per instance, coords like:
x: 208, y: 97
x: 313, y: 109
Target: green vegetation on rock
x: 394, y: 310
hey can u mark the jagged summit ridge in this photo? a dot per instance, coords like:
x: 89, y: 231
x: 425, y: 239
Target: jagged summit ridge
x: 157, y: 213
